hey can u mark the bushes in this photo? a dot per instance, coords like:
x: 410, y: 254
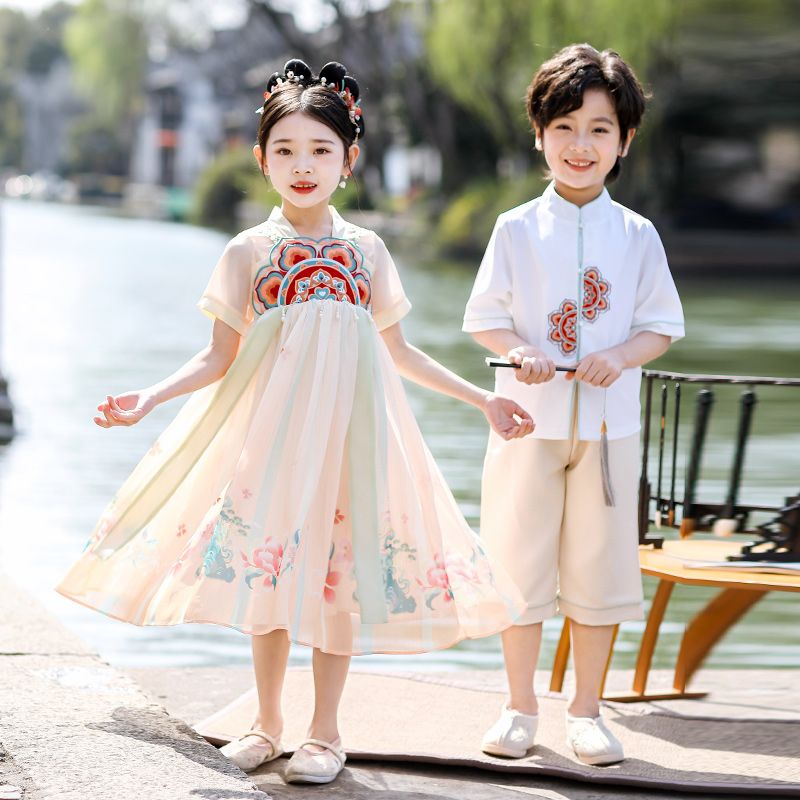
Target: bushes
x: 466, y: 224
x: 232, y: 177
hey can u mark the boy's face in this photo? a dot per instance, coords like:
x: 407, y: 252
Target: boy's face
x: 581, y: 147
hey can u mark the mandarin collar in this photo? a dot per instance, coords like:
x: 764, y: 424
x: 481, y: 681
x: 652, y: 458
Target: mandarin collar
x: 595, y: 211
x: 339, y: 226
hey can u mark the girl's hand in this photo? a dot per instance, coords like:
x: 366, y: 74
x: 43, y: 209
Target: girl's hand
x: 599, y: 369
x: 536, y: 366
x: 508, y: 419
x: 124, y: 409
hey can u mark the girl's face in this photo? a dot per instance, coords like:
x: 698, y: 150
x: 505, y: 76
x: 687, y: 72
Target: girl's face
x: 581, y: 147
x: 305, y: 160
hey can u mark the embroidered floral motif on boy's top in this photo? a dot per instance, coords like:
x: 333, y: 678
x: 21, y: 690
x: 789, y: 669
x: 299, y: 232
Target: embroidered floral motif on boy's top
x: 303, y: 270
x: 562, y: 327
x: 563, y: 321
x: 595, y: 294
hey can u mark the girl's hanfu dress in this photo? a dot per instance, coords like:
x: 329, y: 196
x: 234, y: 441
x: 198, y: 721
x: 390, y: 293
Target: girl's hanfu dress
x: 297, y: 492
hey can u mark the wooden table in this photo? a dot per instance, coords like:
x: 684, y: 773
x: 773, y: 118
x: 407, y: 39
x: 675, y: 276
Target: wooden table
x: 740, y: 590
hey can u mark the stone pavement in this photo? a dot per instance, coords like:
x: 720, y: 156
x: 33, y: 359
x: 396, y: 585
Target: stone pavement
x: 74, y: 728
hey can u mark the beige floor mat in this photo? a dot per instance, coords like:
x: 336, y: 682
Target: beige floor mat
x: 393, y: 718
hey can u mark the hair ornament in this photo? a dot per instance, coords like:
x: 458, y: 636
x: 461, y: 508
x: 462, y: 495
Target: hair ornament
x: 332, y: 76
x: 294, y: 71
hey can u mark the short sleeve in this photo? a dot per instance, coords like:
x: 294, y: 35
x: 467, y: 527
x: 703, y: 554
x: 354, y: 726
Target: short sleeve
x: 658, y: 307
x: 489, y: 305
x: 227, y: 296
x: 389, y: 301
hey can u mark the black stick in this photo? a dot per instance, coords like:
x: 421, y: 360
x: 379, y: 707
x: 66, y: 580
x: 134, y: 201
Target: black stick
x: 502, y: 362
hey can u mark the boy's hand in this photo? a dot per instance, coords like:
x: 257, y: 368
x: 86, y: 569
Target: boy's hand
x: 124, y: 409
x: 508, y: 419
x: 599, y: 369
x: 535, y: 367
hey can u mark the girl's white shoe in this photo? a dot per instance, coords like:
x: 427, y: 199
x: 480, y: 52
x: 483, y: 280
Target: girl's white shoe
x: 253, y: 749
x: 512, y: 735
x: 308, y: 766
x: 592, y: 742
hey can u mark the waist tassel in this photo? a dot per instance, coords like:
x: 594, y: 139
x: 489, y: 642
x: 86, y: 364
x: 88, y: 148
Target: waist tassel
x: 608, y: 492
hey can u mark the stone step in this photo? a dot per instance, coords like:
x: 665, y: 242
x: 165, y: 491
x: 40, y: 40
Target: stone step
x: 72, y: 726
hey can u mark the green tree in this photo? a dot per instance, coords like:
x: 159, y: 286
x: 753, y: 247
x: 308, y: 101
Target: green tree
x: 484, y: 52
x: 11, y: 126
x: 16, y: 34
x: 47, y: 38
x: 29, y: 46
x: 107, y: 45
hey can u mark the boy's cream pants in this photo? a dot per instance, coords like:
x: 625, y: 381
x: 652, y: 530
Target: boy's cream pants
x: 544, y: 518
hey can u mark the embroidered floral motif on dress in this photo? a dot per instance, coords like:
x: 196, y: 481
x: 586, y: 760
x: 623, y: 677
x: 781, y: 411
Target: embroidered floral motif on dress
x: 270, y: 561
x: 303, y: 270
x: 596, y: 301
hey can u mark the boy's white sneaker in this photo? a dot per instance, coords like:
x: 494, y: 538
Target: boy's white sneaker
x: 592, y: 742
x: 512, y: 735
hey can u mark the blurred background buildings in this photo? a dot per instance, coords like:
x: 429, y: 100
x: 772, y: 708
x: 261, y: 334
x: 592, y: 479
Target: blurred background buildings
x: 150, y: 105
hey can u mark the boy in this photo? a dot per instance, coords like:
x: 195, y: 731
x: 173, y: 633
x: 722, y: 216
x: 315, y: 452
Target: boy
x: 573, y: 278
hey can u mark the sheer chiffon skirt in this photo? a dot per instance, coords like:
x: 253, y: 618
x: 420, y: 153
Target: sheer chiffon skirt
x: 297, y: 493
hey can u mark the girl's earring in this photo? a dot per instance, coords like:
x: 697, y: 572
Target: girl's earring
x: 343, y: 182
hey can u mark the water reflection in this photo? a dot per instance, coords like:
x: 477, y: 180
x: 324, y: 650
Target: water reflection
x: 96, y: 304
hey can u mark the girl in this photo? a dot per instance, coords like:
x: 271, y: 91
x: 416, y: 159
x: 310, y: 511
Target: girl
x: 293, y: 497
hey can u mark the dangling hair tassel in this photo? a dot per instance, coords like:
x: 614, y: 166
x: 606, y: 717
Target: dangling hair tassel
x: 608, y: 492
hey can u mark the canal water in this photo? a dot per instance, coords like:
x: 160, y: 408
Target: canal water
x: 96, y: 304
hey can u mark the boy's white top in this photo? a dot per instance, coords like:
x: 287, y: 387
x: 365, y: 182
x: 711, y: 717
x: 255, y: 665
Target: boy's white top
x: 571, y: 281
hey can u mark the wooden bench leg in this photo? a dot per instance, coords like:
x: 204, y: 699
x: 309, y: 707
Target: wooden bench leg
x: 650, y: 637
x: 562, y: 657
x: 648, y: 645
x: 608, y: 660
x: 702, y: 633
x: 708, y: 627
x: 560, y: 660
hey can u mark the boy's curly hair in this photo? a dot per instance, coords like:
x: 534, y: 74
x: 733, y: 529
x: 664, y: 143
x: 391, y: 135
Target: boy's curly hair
x: 557, y: 88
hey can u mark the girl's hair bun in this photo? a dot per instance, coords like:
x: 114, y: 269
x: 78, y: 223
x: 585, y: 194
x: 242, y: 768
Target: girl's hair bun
x: 333, y: 72
x: 273, y: 81
x: 352, y: 84
x: 299, y: 68
x: 332, y: 79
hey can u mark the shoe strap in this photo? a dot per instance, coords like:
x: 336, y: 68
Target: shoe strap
x: 272, y: 741
x: 332, y: 748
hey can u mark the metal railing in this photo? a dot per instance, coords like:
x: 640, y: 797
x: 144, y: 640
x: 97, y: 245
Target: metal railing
x: 778, y: 539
